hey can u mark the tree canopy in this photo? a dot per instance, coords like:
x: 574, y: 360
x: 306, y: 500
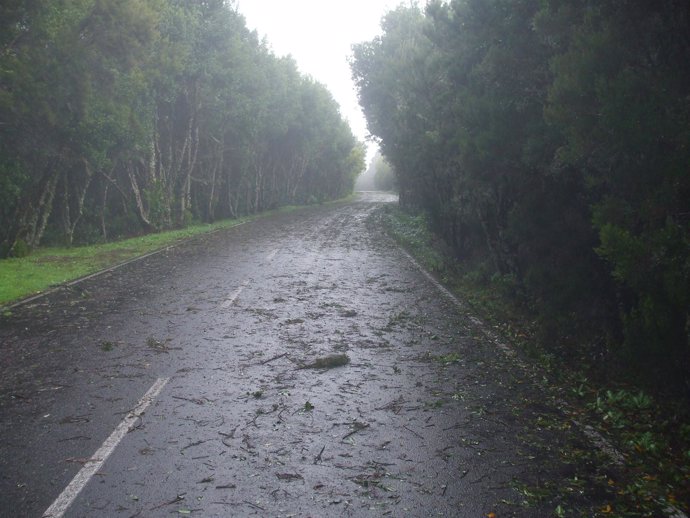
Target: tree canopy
x: 549, y: 141
x: 123, y: 117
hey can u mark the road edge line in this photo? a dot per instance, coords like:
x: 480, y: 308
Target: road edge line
x: 91, y: 467
x: 595, y: 438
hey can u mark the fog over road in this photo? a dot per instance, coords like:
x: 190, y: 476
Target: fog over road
x: 298, y: 365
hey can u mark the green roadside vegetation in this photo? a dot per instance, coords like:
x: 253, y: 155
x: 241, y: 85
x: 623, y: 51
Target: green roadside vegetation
x: 550, y: 152
x: 51, y: 266
x: 649, y: 427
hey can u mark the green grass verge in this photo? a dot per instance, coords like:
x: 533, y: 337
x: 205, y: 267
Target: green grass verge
x: 49, y: 267
x: 411, y: 231
x: 652, y: 431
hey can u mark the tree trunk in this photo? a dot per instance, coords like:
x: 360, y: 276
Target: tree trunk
x: 489, y: 240
x: 258, y: 184
x: 69, y: 224
x: 232, y: 200
x: 160, y: 172
x: 66, y: 220
x: 218, y: 166
x: 298, y: 169
x: 33, y: 213
x: 142, y: 210
x: 44, y: 210
x: 104, y: 204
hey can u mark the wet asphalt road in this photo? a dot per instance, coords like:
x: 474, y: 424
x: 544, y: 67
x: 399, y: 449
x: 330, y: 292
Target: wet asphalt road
x: 420, y: 422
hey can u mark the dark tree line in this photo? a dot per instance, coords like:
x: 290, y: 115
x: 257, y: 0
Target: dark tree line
x: 549, y: 140
x: 121, y: 117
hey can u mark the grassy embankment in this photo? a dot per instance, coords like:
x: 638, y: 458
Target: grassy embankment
x: 652, y: 431
x: 49, y: 267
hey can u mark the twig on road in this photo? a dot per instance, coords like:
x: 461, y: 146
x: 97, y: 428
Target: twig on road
x: 175, y: 500
x: 254, y: 505
x: 226, y: 436
x: 190, y: 445
x: 413, y: 432
x: 327, y: 362
x: 318, y: 457
x: 274, y: 358
x: 75, y: 438
x: 358, y: 427
x: 230, y: 435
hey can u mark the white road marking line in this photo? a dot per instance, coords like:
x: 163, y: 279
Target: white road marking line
x: 58, y: 508
x: 233, y: 296
x: 493, y: 337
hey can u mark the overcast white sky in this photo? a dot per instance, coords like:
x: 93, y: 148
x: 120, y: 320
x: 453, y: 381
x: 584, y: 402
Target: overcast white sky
x: 319, y: 35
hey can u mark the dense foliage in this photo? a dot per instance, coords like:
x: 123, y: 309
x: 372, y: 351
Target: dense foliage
x: 549, y: 141
x: 139, y: 115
